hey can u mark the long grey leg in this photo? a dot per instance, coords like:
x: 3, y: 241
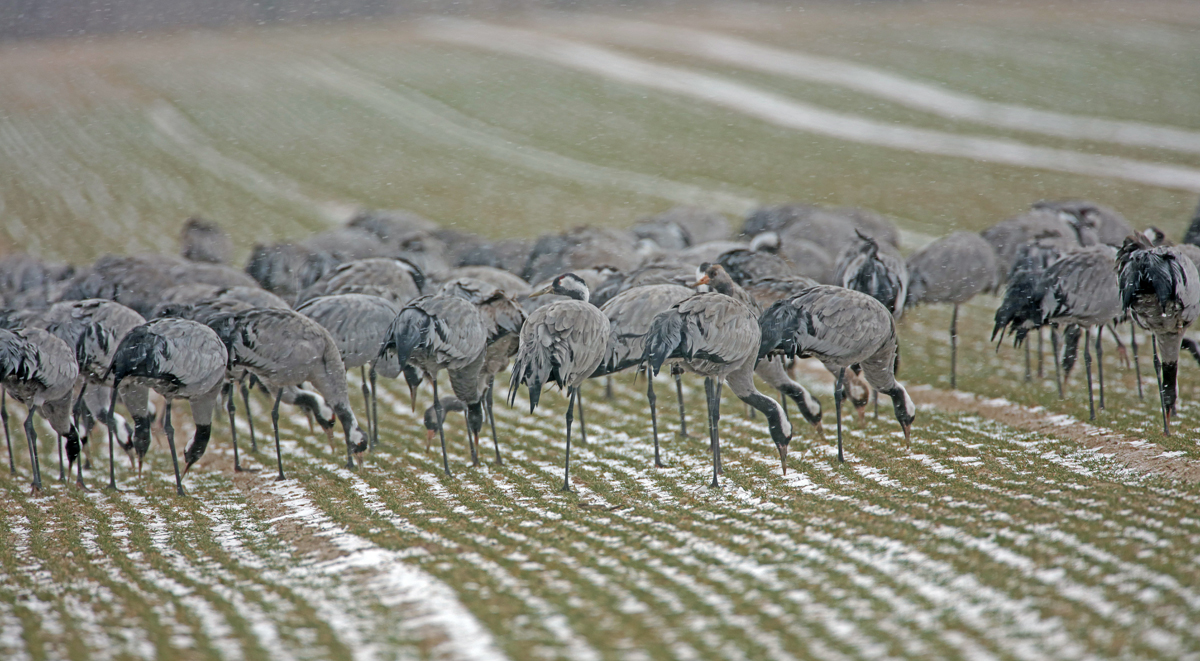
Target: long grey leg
x: 374, y: 411
x: 837, y: 406
x: 275, y: 425
x: 1057, y: 370
x: 441, y: 419
x: 1137, y: 367
x: 62, y: 474
x: 572, y: 394
x: 1162, y: 396
x: 579, y: 403
x: 171, y: 442
x: 112, y: 470
x: 366, y: 391
x: 678, y: 374
x: 1087, y: 362
x: 953, y: 348
x: 12, y: 466
x: 653, y: 416
x: 491, y: 392
x: 249, y: 415
x: 232, y: 408
x: 1100, y: 363
x: 31, y: 437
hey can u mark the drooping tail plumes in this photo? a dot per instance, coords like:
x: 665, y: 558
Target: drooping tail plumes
x: 1143, y: 271
x: 534, y: 367
x: 409, y: 330
x: 663, y: 339
x: 779, y: 324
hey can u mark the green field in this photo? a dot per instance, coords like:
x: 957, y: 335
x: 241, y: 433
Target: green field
x: 992, y: 537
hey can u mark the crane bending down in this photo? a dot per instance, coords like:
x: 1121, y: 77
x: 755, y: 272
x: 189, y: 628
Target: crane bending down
x: 1161, y: 289
x: 178, y: 358
x: 562, y: 342
x: 40, y: 371
x: 840, y: 327
x: 285, y: 348
x: 716, y: 336
x: 443, y: 332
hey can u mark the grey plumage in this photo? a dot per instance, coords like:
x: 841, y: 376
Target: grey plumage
x: 876, y: 270
x: 397, y: 280
x: 284, y: 269
x: 285, y: 348
x: 1160, y: 288
x: 1109, y: 225
x: 840, y: 327
x: 717, y: 337
x: 561, y: 343
x: 358, y: 324
x: 439, y: 332
x: 204, y: 241
x: 39, y: 370
x: 1007, y: 236
x: 503, y: 280
x: 952, y: 270
x: 178, y: 358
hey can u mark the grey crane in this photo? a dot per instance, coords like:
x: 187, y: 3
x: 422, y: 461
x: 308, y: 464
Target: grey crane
x: 841, y: 327
x: 700, y: 225
x: 952, y: 270
x: 437, y: 332
x: 563, y: 343
x: 95, y: 328
x: 285, y: 348
x: 876, y: 270
x: 770, y: 370
x: 630, y: 315
x: 503, y: 280
x: 178, y: 358
x: 1020, y: 309
x: 39, y: 370
x: 716, y: 336
x: 358, y: 324
x: 1160, y: 288
x: 397, y: 280
x: 1081, y: 290
x: 285, y: 269
x: 503, y: 318
x: 204, y: 241
x: 1109, y: 225
x: 804, y: 257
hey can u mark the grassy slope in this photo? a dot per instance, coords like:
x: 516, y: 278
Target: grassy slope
x: 981, y: 540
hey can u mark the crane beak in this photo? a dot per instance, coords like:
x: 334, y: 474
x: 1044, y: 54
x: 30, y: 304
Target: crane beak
x: 543, y: 291
x: 907, y: 435
x: 820, y: 429
x: 702, y: 281
x: 783, y: 452
x: 429, y: 434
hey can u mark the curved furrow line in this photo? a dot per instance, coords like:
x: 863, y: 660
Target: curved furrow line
x: 554, y: 623
x: 398, y: 585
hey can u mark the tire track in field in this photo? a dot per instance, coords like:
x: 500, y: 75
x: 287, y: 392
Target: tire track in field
x: 788, y: 113
x: 449, y: 126
x: 902, y: 90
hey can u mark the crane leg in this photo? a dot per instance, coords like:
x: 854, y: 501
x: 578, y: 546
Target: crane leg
x: 837, y: 409
x: 472, y: 440
x: 572, y: 394
x: 677, y: 372
x: 953, y: 349
x: 653, y: 417
x: 1028, y: 364
x: 1054, y: 350
x: 491, y: 396
x: 275, y: 426
x: 232, y: 408
x: 112, y: 469
x: 249, y: 416
x: 170, y: 430
x: 12, y: 466
x: 1087, y: 366
x: 1040, y: 372
x: 31, y: 437
x: 720, y: 385
x: 374, y: 410
x: 1137, y: 367
x: 1162, y: 397
x: 1100, y: 363
x: 440, y: 413
x: 62, y: 473
x: 582, y: 425
x: 366, y: 391
x: 713, y: 442
x: 608, y: 394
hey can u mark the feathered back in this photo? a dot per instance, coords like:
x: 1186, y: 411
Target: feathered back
x: 665, y: 339
x: 561, y: 343
x: 1157, y: 281
x: 882, y: 275
x: 1081, y: 287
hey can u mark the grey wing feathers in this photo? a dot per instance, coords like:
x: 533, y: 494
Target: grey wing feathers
x: 561, y: 342
x: 197, y: 354
x: 630, y: 315
x: 357, y: 323
x: 1082, y: 287
x: 718, y: 330
x: 840, y: 326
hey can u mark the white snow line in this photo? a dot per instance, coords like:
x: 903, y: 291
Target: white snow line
x: 182, y: 134
x: 397, y: 583
x: 898, y: 89
x: 449, y: 125
x: 783, y: 111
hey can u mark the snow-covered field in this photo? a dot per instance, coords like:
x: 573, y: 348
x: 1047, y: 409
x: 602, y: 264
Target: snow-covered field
x: 1012, y: 529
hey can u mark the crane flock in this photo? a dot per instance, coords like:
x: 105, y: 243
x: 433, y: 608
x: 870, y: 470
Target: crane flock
x: 394, y: 294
